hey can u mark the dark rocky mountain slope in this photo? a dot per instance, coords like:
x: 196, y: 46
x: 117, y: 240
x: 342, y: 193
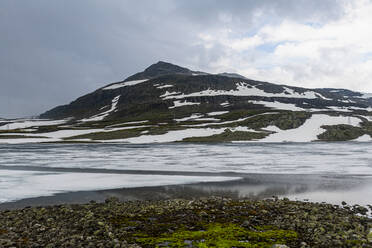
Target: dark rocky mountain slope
x: 166, y: 102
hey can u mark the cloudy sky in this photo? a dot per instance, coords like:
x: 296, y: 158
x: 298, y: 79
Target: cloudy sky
x: 52, y: 51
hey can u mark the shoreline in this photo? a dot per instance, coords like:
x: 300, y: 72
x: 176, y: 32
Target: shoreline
x: 338, y: 188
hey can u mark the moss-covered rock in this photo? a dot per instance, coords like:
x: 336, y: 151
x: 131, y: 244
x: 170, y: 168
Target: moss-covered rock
x: 228, y: 136
x: 206, y: 222
x: 341, y: 133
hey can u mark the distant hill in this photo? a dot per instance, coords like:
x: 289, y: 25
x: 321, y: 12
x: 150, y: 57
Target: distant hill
x: 167, y: 102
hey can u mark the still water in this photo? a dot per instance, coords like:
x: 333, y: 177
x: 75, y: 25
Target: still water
x: 316, y: 171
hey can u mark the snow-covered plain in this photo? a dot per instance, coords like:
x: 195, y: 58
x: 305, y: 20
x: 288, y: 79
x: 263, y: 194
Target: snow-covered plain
x: 26, y: 123
x: 173, y: 136
x: 178, y: 135
x: 59, y: 135
x: 124, y: 84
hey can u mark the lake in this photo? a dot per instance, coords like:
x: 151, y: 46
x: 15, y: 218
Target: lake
x: 330, y: 172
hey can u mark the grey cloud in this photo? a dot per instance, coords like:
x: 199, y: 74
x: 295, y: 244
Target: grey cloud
x: 54, y: 51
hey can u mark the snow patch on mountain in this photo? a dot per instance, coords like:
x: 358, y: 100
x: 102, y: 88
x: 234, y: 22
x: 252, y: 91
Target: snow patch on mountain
x: 183, y: 103
x: 207, y: 119
x: 187, y: 118
x: 309, y: 130
x: 173, y: 136
x: 217, y: 113
x: 178, y: 135
x: 364, y: 138
x: 244, y: 89
x: 279, y: 105
x: 225, y: 104
x: 167, y: 94
x: 366, y: 95
x: 165, y: 86
x: 124, y: 84
x: 101, y: 116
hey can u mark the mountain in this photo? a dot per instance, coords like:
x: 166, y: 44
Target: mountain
x: 232, y: 75
x: 166, y: 102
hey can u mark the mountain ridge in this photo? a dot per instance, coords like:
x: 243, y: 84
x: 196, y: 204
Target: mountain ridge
x: 167, y: 103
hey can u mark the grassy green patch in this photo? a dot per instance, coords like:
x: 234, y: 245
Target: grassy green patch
x: 283, y: 120
x: 222, y: 236
x: 341, y: 133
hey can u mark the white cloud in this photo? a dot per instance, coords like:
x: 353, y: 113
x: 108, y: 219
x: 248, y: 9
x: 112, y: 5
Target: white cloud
x: 333, y: 54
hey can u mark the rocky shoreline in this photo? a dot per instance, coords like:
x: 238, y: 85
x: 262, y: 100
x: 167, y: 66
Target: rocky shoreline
x: 205, y: 222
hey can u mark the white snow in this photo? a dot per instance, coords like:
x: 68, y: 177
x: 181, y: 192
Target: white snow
x: 26, y: 140
x: 173, y: 136
x: 229, y: 122
x: 217, y: 113
x: 183, y: 103
x: 179, y: 135
x: 366, y: 95
x: 104, y: 107
x: 225, y: 104
x: 243, y: 129
x: 124, y: 84
x: 15, y: 185
x: 207, y: 119
x: 167, y: 93
x: 279, y: 105
x: 243, y: 89
x: 129, y: 123
x: 357, y: 108
x: 191, y: 117
x: 58, y: 135
x: 101, y: 116
x: 309, y: 130
x: 363, y: 138
x: 165, y: 86
x: 24, y: 123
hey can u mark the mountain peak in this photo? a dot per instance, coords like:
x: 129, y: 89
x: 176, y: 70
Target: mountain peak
x: 160, y: 68
x: 232, y: 75
x: 163, y: 68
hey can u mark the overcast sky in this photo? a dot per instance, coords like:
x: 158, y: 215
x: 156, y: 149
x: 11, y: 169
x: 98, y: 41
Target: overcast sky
x: 53, y: 51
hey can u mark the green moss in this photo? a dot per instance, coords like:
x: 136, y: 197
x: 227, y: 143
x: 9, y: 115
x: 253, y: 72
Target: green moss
x: 341, y: 133
x: 283, y: 120
x: 222, y: 235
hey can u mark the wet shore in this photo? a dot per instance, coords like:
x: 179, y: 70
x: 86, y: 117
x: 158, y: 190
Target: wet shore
x: 332, y: 189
